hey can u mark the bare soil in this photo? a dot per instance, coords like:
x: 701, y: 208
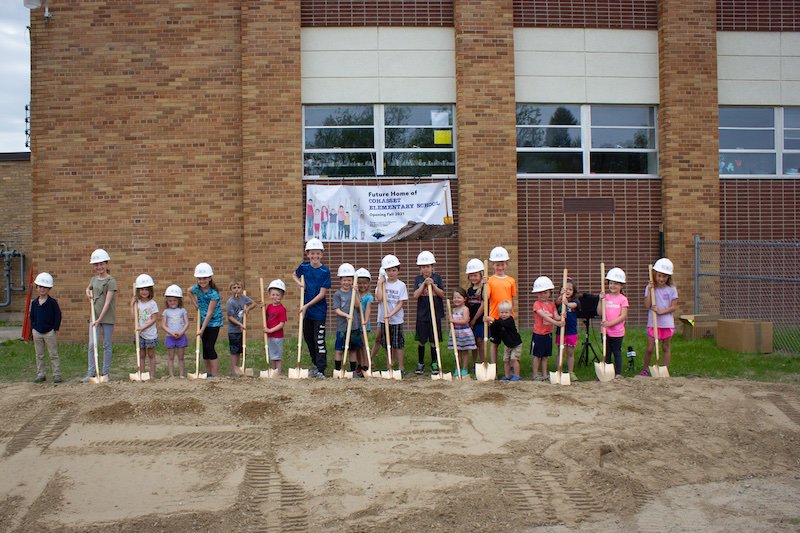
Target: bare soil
x: 376, y: 455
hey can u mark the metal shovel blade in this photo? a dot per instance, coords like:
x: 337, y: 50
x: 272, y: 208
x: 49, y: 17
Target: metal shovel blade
x: 392, y: 374
x: 298, y: 373
x: 269, y: 373
x: 198, y: 375
x: 659, y: 371
x: 248, y: 372
x: 485, y: 372
x: 136, y: 376
x: 338, y: 374
x: 560, y: 378
x: 101, y: 379
x: 605, y: 371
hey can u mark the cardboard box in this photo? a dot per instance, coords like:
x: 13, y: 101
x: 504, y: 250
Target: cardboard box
x: 745, y: 336
x: 699, y: 326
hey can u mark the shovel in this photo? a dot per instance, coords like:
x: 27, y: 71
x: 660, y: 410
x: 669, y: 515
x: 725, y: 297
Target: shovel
x: 447, y: 218
x: 342, y: 373
x: 605, y: 371
x: 297, y: 372
x: 453, y: 337
x: 390, y: 373
x: 98, y: 378
x: 138, y: 375
x: 269, y: 372
x: 561, y: 378
x: 655, y: 371
x: 368, y: 371
x: 245, y: 371
x: 197, y: 374
x: 441, y: 376
x: 486, y: 371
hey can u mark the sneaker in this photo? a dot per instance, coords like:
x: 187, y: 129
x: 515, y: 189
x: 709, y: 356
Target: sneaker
x: 86, y: 379
x: 320, y: 375
x: 420, y: 369
x: 645, y: 373
x: 573, y: 377
x: 358, y: 373
x: 464, y: 372
x: 40, y: 379
x: 504, y: 378
x: 541, y: 378
x: 57, y: 379
x: 515, y: 378
x: 434, y: 369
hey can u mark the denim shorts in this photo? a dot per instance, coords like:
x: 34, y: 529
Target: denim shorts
x: 235, y: 343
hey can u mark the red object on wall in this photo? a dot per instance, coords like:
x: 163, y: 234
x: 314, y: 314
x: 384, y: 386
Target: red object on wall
x: 26, y: 319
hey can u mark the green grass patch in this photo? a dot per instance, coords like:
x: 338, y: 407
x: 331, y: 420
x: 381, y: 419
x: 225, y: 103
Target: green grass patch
x: 697, y: 358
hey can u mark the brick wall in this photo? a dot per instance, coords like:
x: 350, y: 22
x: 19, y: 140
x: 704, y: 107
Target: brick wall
x: 758, y: 15
x: 687, y: 129
x: 15, y: 224
x: 271, y: 141
x: 759, y: 209
x: 328, y: 13
x: 609, y: 14
x: 136, y: 145
x: 486, y: 128
x: 553, y: 238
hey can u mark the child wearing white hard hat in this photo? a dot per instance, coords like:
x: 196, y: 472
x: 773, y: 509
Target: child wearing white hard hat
x: 666, y: 304
x: 316, y: 278
x: 145, y: 312
x: 502, y: 287
x: 101, y: 292
x: 206, y: 298
x: 616, y: 313
x: 276, y: 320
x: 175, y: 322
x: 545, y: 316
x: 45, y: 318
x: 428, y: 280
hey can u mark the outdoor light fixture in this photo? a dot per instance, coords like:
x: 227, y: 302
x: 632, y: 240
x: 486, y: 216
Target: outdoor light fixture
x: 36, y: 4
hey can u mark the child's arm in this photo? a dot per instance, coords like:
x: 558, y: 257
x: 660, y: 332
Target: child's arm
x: 211, y: 306
x: 464, y: 319
x: 673, y: 306
x: 368, y: 311
x: 276, y: 328
x: 418, y: 291
x: 647, y: 299
x: 621, y: 318
x: 378, y: 290
x: 192, y: 297
x: 106, y: 305
x: 318, y: 298
x: 149, y: 322
x: 297, y: 280
x: 396, y: 310
x: 548, y: 318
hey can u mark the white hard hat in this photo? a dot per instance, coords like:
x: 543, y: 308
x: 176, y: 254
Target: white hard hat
x: 425, y: 258
x: 277, y: 284
x: 203, y: 270
x: 543, y: 283
x: 499, y: 253
x: 390, y: 261
x: 474, y: 265
x: 363, y: 273
x: 99, y: 256
x: 314, y: 244
x: 616, y: 274
x: 174, y: 290
x: 664, y: 266
x: 346, y: 270
x: 44, y: 279
x: 143, y: 280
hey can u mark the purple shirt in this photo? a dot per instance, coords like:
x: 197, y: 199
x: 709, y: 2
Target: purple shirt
x: 664, y: 297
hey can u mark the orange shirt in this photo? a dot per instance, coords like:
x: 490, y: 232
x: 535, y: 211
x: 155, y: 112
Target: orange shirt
x: 500, y: 289
x: 540, y: 327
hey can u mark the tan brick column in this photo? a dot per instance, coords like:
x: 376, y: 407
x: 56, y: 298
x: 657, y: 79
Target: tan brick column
x: 271, y: 140
x: 687, y: 132
x: 485, y: 128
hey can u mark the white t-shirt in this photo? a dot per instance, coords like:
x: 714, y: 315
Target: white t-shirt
x: 176, y: 318
x: 145, y: 311
x: 395, y: 293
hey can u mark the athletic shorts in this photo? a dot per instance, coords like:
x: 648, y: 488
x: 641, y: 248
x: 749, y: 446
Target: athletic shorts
x: 275, y: 347
x: 477, y: 330
x: 396, y: 334
x: 663, y: 333
x: 146, y: 343
x: 571, y: 340
x: 512, y: 353
x: 355, y: 340
x: 541, y: 345
x: 235, y: 342
x: 424, y: 331
x: 171, y: 342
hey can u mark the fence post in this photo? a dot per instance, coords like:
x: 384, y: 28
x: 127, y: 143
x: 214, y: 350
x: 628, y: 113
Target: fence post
x: 696, y: 274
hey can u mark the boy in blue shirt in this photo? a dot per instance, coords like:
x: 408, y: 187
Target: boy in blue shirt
x: 315, y: 306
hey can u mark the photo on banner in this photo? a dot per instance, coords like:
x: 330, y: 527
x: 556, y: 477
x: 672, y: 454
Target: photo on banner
x: 379, y: 213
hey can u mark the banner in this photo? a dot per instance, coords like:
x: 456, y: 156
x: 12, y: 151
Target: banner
x: 379, y: 213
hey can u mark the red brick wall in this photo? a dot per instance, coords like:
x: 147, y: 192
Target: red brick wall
x: 15, y: 225
x: 321, y: 13
x: 687, y: 129
x: 610, y: 14
x: 758, y: 15
x: 486, y: 127
x: 760, y: 209
x: 552, y: 239
x: 136, y: 147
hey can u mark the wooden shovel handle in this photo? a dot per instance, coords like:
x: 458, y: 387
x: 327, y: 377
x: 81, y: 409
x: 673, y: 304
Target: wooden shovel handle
x: 453, y: 337
x: 652, y: 292
x: 485, y: 290
x: 387, y: 330
x: 603, y: 307
x: 364, y: 334
x: 302, y: 315
x: 264, y: 320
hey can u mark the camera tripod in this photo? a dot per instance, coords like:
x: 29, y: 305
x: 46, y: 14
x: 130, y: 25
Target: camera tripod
x: 587, y: 347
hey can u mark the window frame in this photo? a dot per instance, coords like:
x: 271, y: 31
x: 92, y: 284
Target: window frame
x: 586, y: 150
x: 779, y: 137
x: 380, y: 150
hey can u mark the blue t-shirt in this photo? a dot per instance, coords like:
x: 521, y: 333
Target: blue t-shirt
x: 572, y: 321
x: 203, y: 300
x: 315, y: 279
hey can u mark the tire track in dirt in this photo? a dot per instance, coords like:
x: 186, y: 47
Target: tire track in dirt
x: 274, y: 504
x: 55, y: 428
x: 785, y: 407
x: 236, y: 442
x: 29, y: 432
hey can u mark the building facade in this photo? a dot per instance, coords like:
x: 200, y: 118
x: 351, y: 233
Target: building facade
x: 582, y: 131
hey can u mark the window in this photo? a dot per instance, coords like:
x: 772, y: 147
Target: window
x: 759, y: 141
x: 378, y: 140
x: 584, y: 140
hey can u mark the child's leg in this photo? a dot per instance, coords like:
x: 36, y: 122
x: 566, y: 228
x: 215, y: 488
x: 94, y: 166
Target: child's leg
x: 480, y: 353
x: 616, y: 348
x: 570, y: 358
x: 337, y: 359
x: 537, y: 362
x: 648, y: 354
x: 544, y: 367
x: 665, y: 351
x: 493, y: 353
x: 235, y: 364
x: 52, y: 349
x: 515, y: 366
x: 39, y: 344
x: 151, y: 354
x: 142, y: 356
x: 420, y: 355
x: 171, y: 362
x: 397, y: 355
x: 181, y: 364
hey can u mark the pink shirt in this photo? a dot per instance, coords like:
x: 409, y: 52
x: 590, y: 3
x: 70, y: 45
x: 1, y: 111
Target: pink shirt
x: 614, y: 305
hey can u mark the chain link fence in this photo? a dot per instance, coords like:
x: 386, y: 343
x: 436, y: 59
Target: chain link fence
x: 755, y: 280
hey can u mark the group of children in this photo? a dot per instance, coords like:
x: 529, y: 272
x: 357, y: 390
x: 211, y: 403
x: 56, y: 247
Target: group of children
x: 314, y: 279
